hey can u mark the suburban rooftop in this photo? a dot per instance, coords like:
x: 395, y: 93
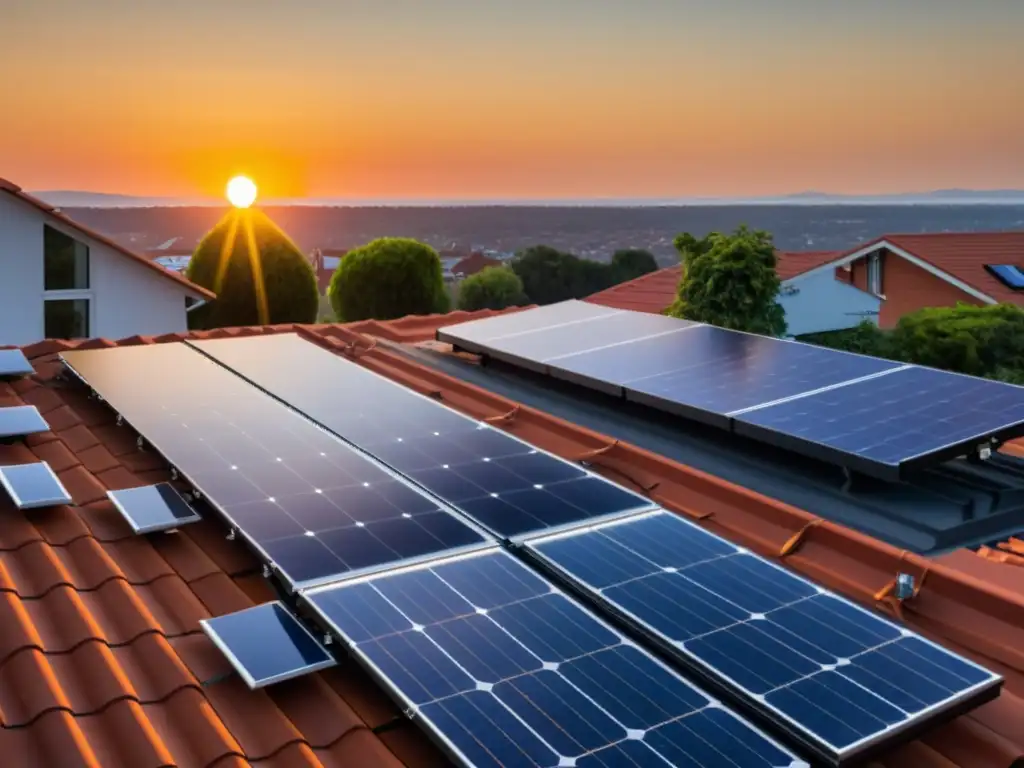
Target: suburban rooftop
x: 103, y: 663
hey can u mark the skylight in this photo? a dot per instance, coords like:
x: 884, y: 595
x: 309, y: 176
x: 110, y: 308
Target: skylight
x: 1010, y: 275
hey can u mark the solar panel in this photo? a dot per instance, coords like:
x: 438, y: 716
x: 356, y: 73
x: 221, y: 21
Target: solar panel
x: 889, y: 424
x: 266, y: 644
x: 33, y: 485
x: 20, y: 420
x: 152, y: 508
x: 314, y: 507
x: 505, y: 670
x: 471, y: 335
x: 504, y: 484
x: 536, y: 349
x: 14, y: 363
x: 838, y: 678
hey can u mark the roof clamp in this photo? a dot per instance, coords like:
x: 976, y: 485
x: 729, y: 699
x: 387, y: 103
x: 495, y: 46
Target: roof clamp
x: 174, y: 473
x: 266, y: 571
x: 120, y: 420
x: 904, y: 587
x: 984, y: 452
x: 231, y: 535
x: 140, y: 443
x: 328, y: 638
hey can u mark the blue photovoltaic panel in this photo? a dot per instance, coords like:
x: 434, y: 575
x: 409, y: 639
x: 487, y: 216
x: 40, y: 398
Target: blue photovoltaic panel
x: 893, y: 419
x: 717, y: 371
x: 266, y: 644
x: 508, y: 672
x: 837, y: 677
x: 19, y: 420
x: 31, y: 486
x: 14, y: 363
x: 150, y: 508
x: 316, y: 508
x: 502, y: 483
x: 536, y: 349
x: 476, y: 332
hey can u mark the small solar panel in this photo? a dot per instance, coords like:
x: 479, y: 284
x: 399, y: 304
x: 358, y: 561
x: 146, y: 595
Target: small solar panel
x: 502, y: 483
x: 33, y: 485
x: 266, y: 644
x: 504, y: 670
x: 20, y: 420
x: 14, y: 363
x: 152, y: 508
x: 838, y: 678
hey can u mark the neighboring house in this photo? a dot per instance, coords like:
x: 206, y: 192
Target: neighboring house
x: 59, y: 279
x: 890, y: 277
x: 174, y: 259
x: 325, y: 262
x: 813, y: 298
x: 475, y: 262
x: 910, y: 272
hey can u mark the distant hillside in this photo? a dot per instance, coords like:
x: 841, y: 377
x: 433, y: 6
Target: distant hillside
x: 73, y: 199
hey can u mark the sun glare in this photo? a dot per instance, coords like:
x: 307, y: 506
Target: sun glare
x: 241, y: 192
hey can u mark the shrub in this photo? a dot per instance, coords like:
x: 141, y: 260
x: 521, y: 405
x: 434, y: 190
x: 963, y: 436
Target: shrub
x: 259, y: 275
x: 631, y: 263
x: 388, y: 278
x: 492, y: 288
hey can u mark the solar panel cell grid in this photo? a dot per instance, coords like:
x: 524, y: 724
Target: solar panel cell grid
x: 837, y: 676
x: 502, y: 483
x: 314, y: 506
x: 508, y: 671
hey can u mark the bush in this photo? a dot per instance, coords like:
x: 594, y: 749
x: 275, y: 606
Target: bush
x: 631, y: 263
x: 492, y: 288
x: 865, y: 339
x: 275, y: 284
x: 388, y: 278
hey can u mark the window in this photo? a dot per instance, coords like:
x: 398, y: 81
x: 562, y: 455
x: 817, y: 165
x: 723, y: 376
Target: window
x: 874, y: 284
x: 1010, y: 275
x: 66, y: 318
x: 65, y: 262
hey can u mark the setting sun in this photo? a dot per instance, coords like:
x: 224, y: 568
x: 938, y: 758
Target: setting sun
x: 241, y: 192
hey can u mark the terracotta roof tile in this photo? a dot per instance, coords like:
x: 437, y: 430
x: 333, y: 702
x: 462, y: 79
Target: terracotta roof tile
x: 655, y: 291
x: 13, y: 189
x: 103, y: 664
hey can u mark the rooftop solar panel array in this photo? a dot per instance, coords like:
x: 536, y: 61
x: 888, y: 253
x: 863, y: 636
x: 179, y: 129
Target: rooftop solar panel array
x: 504, y: 484
x: 506, y: 671
x: 871, y: 415
x: 313, y: 506
x: 839, y: 679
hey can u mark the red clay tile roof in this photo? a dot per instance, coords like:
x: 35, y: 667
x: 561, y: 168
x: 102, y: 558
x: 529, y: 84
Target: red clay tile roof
x: 103, y: 664
x: 965, y: 254
x: 14, y: 189
x: 655, y: 291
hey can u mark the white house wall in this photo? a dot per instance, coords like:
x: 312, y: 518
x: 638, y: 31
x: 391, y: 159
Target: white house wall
x: 128, y: 298
x: 817, y: 302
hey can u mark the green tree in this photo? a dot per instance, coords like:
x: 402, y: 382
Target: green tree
x: 388, y: 278
x: 259, y: 275
x: 492, y: 288
x: 730, y: 281
x: 631, y: 263
x: 550, y: 275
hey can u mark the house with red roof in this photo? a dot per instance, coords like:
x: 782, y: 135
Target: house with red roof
x: 814, y: 299
x: 63, y: 280
x: 893, y: 275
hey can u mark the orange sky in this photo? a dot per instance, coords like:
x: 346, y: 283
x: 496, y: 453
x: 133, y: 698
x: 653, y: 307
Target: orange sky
x: 495, y: 99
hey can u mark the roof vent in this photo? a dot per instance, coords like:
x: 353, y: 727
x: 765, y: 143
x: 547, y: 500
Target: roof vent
x: 1008, y: 274
x: 904, y: 586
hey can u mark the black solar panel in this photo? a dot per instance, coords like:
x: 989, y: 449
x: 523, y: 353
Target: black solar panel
x: 505, y: 671
x: 151, y: 508
x: 838, y: 678
x: 506, y: 485
x: 312, y: 505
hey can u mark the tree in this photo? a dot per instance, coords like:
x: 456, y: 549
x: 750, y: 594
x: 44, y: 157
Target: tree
x: 259, y: 275
x: 492, y: 288
x: 730, y: 281
x: 388, y: 278
x: 550, y: 275
x: 631, y: 263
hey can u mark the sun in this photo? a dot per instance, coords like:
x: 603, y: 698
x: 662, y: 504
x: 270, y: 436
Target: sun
x: 241, y: 192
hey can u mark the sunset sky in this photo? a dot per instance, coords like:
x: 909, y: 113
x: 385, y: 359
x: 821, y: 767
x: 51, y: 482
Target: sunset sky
x: 512, y: 98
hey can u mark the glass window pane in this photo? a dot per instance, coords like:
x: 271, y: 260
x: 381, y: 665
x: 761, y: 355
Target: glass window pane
x: 65, y: 262
x: 67, y: 319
